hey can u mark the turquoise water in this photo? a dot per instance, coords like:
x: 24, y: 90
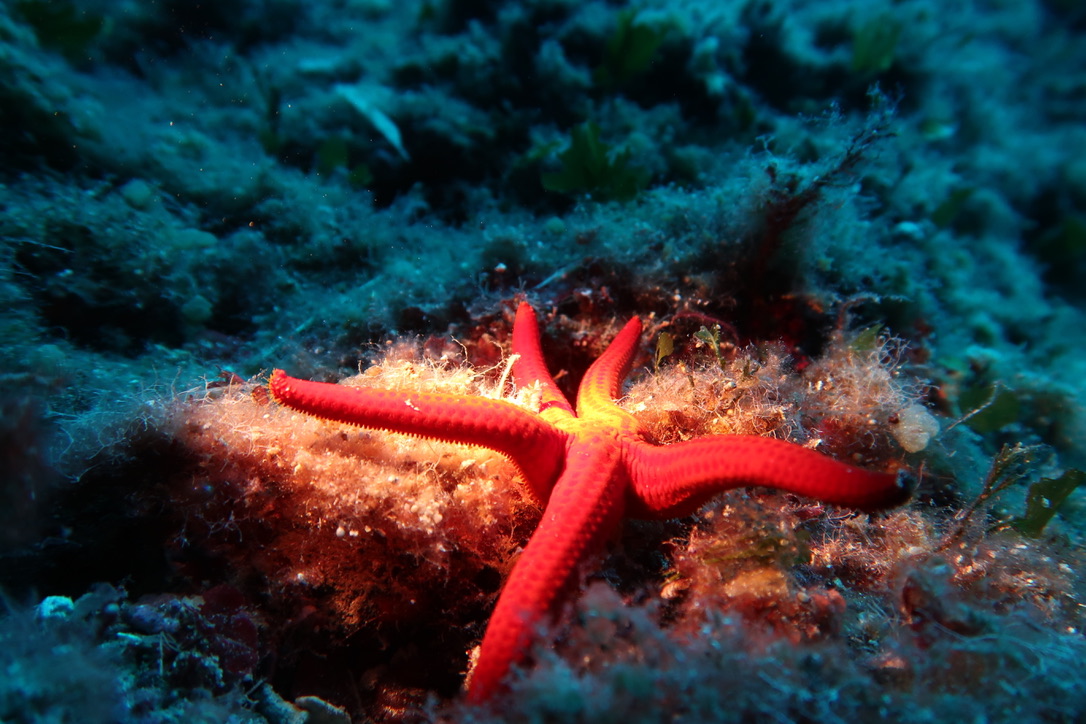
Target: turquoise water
x: 194, y: 194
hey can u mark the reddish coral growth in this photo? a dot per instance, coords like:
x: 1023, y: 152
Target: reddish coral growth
x: 354, y: 536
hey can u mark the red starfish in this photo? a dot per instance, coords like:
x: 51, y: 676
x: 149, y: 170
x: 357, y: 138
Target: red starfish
x: 589, y: 466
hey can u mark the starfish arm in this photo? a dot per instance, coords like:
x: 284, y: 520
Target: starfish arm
x: 603, y: 380
x: 530, y: 367
x: 585, y: 508
x: 536, y: 447
x: 675, y: 480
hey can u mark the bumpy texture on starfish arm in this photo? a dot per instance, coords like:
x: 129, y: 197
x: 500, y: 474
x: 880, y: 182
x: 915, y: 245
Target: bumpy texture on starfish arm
x: 496, y: 424
x: 584, y: 510
x: 590, y: 465
x: 676, y: 480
